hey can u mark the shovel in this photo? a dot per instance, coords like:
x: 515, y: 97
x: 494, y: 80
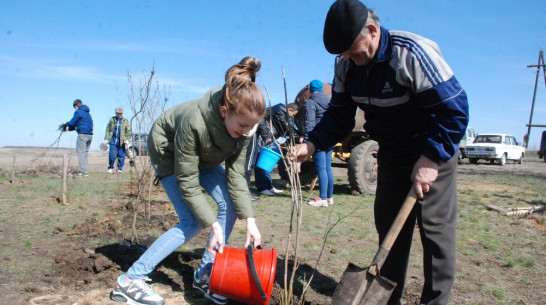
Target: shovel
x: 365, y: 286
x: 129, y: 154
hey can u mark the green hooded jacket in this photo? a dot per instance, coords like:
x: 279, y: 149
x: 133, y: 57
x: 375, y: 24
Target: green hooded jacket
x: 193, y: 136
x: 124, y: 133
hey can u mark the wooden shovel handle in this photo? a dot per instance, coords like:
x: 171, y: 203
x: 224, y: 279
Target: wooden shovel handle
x: 400, y: 220
x: 395, y: 229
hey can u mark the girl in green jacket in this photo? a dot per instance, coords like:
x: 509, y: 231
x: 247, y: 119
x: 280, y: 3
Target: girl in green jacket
x: 187, y: 145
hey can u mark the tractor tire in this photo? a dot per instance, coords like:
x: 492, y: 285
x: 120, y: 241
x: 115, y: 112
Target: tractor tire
x: 308, y: 172
x: 362, y: 167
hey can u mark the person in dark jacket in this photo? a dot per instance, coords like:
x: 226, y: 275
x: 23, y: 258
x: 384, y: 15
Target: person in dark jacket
x: 277, y: 124
x: 418, y: 112
x: 82, y: 123
x: 315, y: 107
x: 260, y: 138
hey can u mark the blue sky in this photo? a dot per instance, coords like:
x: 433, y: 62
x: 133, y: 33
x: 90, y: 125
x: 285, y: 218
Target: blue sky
x: 52, y: 52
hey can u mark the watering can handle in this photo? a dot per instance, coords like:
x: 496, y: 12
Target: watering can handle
x: 254, y: 273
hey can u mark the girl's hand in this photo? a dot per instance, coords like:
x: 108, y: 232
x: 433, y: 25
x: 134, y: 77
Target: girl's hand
x: 216, y: 243
x: 252, y: 232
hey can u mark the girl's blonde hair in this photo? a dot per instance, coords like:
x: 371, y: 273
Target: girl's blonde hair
x: 240, y: 91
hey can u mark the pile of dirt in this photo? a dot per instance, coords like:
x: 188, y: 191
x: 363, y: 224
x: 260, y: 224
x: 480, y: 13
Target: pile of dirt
x: 86, y: 268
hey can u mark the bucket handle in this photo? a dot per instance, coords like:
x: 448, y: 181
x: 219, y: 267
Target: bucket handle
x: 253, y: 269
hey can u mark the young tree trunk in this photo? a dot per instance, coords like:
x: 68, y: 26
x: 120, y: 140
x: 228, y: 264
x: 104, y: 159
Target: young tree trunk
x: 65, y: 172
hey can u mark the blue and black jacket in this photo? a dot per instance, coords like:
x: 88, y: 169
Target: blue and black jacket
x: 413, y: 103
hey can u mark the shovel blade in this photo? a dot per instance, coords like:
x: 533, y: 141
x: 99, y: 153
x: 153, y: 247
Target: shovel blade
x: 379, y: 291
x: 358, y: 287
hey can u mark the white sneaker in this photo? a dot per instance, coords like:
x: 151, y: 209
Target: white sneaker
x: 135, y: 292
x: 119, y: 171
x: 330, y: 200
x: 318, y: 202
x: 267, y: 192
x: 276, y: 191
x: 110, y: 170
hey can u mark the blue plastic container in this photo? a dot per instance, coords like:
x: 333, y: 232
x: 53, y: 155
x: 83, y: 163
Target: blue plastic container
x: 268, y: 159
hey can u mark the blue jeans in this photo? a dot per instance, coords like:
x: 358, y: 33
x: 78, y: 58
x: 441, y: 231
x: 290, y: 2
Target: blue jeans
x: 214, y: 182
x: 323, y: 163
x: 116, y: 152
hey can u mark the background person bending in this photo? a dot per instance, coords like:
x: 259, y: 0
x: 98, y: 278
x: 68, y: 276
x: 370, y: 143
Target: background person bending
x: 315, y: 107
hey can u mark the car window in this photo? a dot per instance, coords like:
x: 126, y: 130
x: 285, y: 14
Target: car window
x: 480, y: 139
x: 488, y: 139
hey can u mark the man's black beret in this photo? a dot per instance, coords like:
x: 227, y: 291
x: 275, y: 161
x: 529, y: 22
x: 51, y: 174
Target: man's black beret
x: 344, y: 21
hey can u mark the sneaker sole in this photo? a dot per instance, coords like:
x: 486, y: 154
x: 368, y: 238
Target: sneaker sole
x: 123, y: 298
x: 318, y: 205
x: 215, y: 301
x: 199, y: 292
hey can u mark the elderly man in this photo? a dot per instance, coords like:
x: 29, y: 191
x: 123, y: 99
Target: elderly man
x: 418, y: 112
x: 118, y: 133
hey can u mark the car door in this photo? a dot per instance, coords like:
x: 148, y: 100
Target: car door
x: 511, y: 147
x: 517, y: 148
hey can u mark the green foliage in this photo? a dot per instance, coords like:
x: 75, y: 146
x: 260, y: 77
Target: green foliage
x: 497, y: 292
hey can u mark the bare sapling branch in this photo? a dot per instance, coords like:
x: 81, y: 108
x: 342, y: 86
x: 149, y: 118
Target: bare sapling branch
x: 146, y: 103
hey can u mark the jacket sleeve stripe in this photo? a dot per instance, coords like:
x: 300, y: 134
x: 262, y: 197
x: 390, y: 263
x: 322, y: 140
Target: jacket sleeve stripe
x: 427, y: 65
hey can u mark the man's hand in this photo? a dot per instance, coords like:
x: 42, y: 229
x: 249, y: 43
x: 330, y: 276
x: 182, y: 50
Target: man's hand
x: 252, y: 232
x: 302, y: 152
x: 216, y: 243
x: 425, y: 172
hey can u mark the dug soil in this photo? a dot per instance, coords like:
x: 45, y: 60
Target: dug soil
x: 78, y: 264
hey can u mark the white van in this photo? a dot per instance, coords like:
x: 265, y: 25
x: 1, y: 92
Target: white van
x: 468, y: 138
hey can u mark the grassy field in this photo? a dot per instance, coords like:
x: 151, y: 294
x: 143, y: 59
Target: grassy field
x: 500, y: 259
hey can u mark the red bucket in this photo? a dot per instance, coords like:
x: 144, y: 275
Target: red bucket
x: 232, y: 274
